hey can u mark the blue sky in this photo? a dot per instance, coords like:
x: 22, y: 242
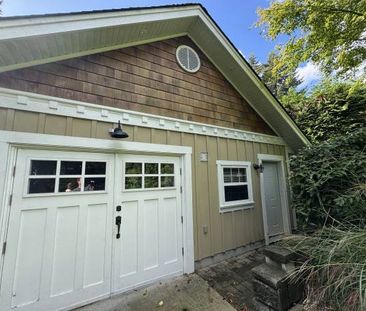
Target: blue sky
x: 235, y: 17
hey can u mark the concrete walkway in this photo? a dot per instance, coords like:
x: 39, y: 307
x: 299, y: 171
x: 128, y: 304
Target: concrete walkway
x: 225, y: 286
x: 184, y: 293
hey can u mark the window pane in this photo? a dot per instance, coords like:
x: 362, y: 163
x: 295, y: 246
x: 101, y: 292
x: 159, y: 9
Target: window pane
x: 71, y: 168
x: 95, y: 168
x: 44, y: 185
x: 133, y: 168
x: 151, y: 168
x: 227, y: 174
x: 94, y: 184
x: 69, y: 185
x: 167, y: 168
x: 236, y: 193
x: 40, y: 167
x: 152, y: 182
x: 133, y: 182
x: 242, y: 175
x: 167, y: 181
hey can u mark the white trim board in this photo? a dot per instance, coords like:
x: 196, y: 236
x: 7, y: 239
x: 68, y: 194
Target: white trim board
x: 11, y: 141
x: 27, y: 101
x: 284, y: 194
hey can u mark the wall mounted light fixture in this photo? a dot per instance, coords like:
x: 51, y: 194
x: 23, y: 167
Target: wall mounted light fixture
x: 118, y: 132
x: 258, y: 167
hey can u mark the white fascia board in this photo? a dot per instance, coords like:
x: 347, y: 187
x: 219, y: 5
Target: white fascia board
x: 28, y: 27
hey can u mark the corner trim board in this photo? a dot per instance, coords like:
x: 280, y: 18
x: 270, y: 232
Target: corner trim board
x: 26, y: 101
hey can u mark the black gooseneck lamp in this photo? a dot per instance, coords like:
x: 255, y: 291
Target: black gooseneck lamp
x: 118, y: 132
x: 258, y: 167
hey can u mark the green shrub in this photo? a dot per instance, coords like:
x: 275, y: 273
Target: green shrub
x: 329, y: 181
x: 335, y: 271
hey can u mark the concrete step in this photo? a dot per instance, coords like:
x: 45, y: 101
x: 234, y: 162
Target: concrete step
x: 270, y: 275
x: 280, y: 254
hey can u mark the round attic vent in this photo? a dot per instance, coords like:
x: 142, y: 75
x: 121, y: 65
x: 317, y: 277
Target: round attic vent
x: 188, y: 59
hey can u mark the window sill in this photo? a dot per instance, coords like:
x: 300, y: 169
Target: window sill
x: 236, y: 207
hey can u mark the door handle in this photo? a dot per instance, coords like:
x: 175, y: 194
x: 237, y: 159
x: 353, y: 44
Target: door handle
x: 118, y: 224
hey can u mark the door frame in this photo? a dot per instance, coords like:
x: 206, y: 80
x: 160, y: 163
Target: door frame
x: 280, y: 161
x: 11, y: 141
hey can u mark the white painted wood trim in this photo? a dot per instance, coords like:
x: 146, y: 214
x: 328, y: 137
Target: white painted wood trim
x: 9, y: 141
x: 284, y: 194
x: 26, y: 101
x: 238, y: 205
x: 29, y: 27
x: 8, y: 156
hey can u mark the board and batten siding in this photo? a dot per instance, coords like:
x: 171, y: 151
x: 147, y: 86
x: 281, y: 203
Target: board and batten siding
x: 144, y: 78
x: 225, y: 231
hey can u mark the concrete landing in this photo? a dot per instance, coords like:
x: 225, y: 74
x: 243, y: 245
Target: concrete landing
x: 184, y: 293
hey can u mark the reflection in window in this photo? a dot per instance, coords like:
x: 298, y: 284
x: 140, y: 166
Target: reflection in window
x: 94, y: 184
x: 151, y: 168
x: 71, y: 167
x: 69, y: 184
x: 167, y: 168
x: 41, y: 185
x: 66, y: 176
x: 167, y: 181
x: 42, y: 167
x: 133, y: 182
x: 151, y: 182
x: 133, y: 168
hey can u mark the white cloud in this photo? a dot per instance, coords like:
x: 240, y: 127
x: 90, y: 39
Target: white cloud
x: 309, y: 73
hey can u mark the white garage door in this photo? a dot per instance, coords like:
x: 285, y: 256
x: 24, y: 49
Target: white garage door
x: 62, y: 244
x: 148, y: 191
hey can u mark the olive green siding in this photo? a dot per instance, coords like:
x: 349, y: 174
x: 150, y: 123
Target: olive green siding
x: 225, y: 231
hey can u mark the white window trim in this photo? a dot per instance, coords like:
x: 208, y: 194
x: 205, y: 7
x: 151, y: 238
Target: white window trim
x: 234, y: 205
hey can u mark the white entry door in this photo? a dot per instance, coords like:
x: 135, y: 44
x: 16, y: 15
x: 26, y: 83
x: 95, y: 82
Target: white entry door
x: 59, y: 241
x: 148, y: 201
x: 273, y: 198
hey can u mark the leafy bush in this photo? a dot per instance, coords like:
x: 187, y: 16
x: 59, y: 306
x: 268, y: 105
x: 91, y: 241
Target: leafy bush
x: 329, y: 110
x: 335, y: 271
x: 329, y: 181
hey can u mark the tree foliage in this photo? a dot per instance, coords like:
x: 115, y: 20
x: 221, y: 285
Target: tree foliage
x: 331, y: 109
x: 329, y: 181
x: 279, y: 82
x: 330, y: 33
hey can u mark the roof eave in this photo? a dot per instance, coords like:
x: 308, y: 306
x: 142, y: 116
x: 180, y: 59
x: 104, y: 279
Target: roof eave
x: 191, y: 20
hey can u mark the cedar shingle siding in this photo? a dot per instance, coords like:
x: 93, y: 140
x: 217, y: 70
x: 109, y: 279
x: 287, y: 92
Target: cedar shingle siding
x: 143, y: 78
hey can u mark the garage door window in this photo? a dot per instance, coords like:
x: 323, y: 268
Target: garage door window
x: 148, y: 175
x: 64, y: 176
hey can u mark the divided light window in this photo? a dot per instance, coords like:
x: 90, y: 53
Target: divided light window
x: 235, y: 185
x: 148, y: 175
x: 65, y: 176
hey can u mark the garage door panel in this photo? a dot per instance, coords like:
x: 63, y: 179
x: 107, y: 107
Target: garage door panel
x: 95, y: 251
x: 59, y: 243
x: 129, y: 239
x: 150, y: 252
x: 151, y: 229
x: 27, y: 282
x: 65, y: 250
x: 169, y: 225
